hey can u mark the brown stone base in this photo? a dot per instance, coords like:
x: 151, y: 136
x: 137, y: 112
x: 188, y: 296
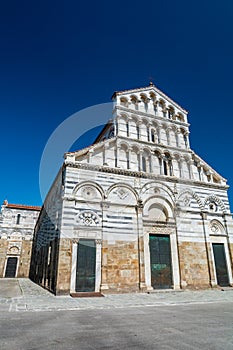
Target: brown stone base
x: 120, y: 267
x: 194, y: 266
x: 122, y: 291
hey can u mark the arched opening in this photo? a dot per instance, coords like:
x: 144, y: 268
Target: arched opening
x: 167, y: 165
x: 138, y: 131
x: 146, y: 161
x: 127, y: 129
x: 161, y: 108
x: 148, y: 134
x: 134, y: 101
x: 170, y: 112
x: 180, y: 117
x: 152, y: 135
x: 177, y: 139
x: 143, y: 163
x: 145, y: 101
x: 158, y: 163
x: 124, y: 101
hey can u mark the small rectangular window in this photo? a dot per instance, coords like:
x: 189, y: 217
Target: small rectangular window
x: 18, y: 219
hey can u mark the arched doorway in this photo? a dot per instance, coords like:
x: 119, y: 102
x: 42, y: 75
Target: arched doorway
x: 160, y: 244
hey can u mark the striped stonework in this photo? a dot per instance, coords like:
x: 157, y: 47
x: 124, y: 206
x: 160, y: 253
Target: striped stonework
x: 139, y: 182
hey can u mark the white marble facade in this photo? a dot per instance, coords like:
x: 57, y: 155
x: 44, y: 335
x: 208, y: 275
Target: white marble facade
x: 140, y: 178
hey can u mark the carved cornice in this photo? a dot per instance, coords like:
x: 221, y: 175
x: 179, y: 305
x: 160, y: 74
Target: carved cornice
x: 154, y: 223
x: 141, y: 174
x: 68, y: 198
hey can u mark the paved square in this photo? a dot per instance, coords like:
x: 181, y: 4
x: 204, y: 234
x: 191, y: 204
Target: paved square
x: 32, y: 318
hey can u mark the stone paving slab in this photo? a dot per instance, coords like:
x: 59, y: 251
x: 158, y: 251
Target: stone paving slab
x: 9, y: 288
x: 23, y: 295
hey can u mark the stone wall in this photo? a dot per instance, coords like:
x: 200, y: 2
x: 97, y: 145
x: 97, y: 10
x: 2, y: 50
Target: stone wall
x: 122, y: 270
x: 193, y: 265
x: 64, y: 266
x: 25, y: 259
x: 3, y: 253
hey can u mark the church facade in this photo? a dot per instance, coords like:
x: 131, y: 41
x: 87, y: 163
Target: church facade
x: 17, y: 222
x: 137, y: 210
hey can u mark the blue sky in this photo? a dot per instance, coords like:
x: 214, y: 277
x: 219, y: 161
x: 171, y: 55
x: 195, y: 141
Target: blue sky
x: 58, y: 57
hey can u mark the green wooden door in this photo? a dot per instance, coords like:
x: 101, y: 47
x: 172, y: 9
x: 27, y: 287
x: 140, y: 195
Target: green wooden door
x: 86, y: 266
x: 220, y: 264
x: 160, y: 261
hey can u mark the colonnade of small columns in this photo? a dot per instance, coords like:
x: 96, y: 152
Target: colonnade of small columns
x: 148, y: 131
x: 156, y: 162
x: 151, y: 103
x: 149, y: 160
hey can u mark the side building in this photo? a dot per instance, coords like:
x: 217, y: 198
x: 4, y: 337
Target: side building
x: 17, y: 224
x: 137, y: 210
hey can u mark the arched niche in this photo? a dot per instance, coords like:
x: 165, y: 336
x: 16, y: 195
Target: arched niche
x: 214, y: 204
x: 216, y: 228
x: 157, y: 208
x: 157, y: 212
x: 88, y: 191
x: 122, y: 194
x: 190, y: 199
x: 157, y: 188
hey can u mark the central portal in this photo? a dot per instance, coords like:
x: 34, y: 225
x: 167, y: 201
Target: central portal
x: 86, y: 266
x: 160, y: 261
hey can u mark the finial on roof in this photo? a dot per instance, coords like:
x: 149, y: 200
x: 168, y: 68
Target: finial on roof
x: 5, y: 202
x: 151, y: 81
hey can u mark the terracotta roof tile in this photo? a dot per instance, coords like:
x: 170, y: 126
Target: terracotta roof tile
x: 22, y: 206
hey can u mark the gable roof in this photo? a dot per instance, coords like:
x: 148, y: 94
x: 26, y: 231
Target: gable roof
x: 150, y: 87
x: 21, y: 206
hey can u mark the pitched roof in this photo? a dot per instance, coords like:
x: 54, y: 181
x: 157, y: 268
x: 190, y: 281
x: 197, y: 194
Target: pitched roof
x: 151, y: 86
x: 21, y: 206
